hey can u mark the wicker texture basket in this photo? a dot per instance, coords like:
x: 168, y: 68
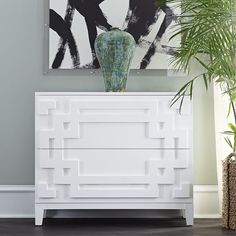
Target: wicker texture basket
x: 229, y: 192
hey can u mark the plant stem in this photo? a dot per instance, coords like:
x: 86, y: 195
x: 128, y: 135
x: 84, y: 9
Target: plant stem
x: 234, y: 111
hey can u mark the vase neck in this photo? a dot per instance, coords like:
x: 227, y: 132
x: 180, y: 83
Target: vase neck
x: 115, y: 28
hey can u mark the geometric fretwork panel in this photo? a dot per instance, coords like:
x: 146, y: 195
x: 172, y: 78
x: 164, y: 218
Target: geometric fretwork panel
x: 72, y: 122
x: 161, y: 178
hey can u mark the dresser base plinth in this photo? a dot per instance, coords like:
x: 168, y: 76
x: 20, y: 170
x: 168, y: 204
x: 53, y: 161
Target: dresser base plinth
x: 40, y: 209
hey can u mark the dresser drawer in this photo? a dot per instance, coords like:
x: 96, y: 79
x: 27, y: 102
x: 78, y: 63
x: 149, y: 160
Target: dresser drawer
x: 111, y: 122
x: 74, y: 175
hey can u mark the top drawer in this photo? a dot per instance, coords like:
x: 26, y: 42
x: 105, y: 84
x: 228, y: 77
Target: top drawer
x: 111, y: 122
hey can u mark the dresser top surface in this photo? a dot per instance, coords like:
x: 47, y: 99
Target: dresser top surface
x: 105, y: 93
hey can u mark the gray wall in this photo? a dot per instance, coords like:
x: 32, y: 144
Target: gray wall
x: 21, y: 74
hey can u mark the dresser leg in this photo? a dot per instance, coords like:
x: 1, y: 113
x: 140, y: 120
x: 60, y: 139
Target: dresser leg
x: 39, y: 215
x: 189, y: 214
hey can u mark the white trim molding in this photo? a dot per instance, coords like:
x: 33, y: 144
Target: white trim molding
x: 206, y: 202
x: 16, y: 188
x: 17, y: 201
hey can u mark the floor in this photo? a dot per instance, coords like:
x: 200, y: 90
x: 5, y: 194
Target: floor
x: 111, y: 227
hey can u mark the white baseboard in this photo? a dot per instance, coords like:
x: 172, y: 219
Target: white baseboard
x: 206, y: 201
x: 17, y: 201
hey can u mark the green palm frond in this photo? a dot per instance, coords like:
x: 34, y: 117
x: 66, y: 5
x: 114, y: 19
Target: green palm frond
x: 208, y: 32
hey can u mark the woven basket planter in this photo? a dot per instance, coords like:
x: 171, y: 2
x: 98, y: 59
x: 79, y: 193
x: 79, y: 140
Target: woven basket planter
x: 229, y: 192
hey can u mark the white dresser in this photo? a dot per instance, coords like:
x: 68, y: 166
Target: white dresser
x: 112, y: 151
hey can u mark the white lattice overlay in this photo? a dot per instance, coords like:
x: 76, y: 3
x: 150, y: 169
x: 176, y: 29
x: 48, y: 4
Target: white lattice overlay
x: 159, y: 171
x: 66, y: 119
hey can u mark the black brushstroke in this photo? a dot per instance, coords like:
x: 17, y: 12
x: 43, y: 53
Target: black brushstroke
x: 169, y: 17
x: 141, y: 17
x: 147, y: 58
x: 63, y: 41
x: 94, y: 18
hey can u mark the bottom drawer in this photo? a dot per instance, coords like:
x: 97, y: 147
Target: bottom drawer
x: 77, y: 175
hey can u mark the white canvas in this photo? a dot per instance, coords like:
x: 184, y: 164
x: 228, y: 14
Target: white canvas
x: 115, y: 12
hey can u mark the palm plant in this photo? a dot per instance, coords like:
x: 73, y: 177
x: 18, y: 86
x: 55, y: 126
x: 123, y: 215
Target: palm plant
x: 208, y: 31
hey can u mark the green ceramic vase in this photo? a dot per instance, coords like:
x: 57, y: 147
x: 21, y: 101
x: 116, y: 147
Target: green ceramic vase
x: 115, y: 50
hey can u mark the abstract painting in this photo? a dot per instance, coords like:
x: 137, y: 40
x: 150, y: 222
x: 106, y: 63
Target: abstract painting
x: 75, y: 24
